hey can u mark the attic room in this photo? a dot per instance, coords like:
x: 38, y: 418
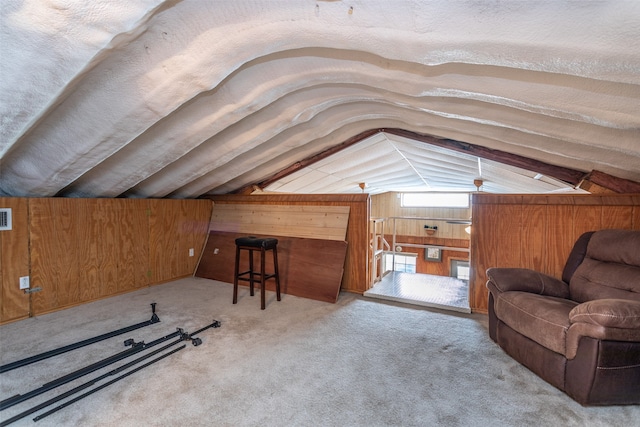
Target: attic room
x: 141, y: 139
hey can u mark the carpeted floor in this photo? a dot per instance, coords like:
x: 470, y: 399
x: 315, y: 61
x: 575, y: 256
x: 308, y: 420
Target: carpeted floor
x: 359, y: 362
x: 447, y: 293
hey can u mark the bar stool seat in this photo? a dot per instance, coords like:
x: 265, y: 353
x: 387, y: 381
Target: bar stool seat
x: 260, y: 244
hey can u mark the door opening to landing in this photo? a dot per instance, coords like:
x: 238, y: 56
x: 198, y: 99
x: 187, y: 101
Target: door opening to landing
x: 447, y: 293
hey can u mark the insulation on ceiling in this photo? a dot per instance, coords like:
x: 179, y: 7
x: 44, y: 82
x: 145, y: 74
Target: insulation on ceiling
x: 150, y: 98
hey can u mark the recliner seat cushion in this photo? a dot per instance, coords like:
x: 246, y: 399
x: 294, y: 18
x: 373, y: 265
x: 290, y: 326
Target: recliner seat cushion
x: 542, y: 319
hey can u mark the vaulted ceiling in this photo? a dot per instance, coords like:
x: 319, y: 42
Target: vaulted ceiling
x: 151, y: 98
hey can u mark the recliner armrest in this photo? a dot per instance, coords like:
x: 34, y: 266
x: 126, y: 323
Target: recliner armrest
x: 603, y: 319
x: 526, y: 280
x: 613, y: 313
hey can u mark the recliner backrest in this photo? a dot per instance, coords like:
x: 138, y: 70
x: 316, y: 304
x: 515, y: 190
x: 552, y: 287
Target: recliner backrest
x: 576, y: 256
x: 610, y: 268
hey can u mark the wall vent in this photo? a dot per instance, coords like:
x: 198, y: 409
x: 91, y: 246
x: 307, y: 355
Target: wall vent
x: 5, y: 219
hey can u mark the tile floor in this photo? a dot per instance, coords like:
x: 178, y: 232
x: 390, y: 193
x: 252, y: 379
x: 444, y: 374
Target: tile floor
x: 447, y: 293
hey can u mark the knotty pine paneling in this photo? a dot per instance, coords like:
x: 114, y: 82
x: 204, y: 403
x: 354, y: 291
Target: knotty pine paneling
x: 543, y: 237
x: 14, y: 261
x: 356, y: 268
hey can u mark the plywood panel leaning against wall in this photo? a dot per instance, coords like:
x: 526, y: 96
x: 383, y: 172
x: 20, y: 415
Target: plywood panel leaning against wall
x: 538, y: 231
x: 14, y: 260
x: 355, y: 277
x: 308, y: 268
x: 311, y: 245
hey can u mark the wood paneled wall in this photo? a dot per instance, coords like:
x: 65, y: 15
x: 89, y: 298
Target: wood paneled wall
x: 538, y: 231
x: 14, y: 260
x: 387, y: 205
x: 175, y: 226
x: 355, y: 277
x: 441, y: 268
x: 85, y: 249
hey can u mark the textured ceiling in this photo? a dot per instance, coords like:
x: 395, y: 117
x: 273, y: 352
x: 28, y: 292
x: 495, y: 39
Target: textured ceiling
x: 152, y: 98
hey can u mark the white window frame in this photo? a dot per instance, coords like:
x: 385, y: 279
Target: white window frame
x: 390, y: 264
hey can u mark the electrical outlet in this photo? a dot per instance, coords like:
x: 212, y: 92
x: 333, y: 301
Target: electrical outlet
x: 190, y: 251
x: 24, y: 282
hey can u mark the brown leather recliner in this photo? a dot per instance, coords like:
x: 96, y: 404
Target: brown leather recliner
x: 582, y: 333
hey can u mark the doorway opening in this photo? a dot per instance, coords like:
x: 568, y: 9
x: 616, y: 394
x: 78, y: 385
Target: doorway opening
x: 421, y: 271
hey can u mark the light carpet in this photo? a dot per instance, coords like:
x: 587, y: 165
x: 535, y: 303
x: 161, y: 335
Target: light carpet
x: 359, y: 362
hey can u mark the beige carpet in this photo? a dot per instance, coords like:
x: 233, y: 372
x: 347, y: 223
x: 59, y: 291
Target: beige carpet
x: 359, y: 362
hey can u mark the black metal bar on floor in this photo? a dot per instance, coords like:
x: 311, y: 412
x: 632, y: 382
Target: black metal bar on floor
x: 136, y: 348
x: 88, y: 384
x: 55, y: 352
x: 82, y: 396
x: 183, y: 336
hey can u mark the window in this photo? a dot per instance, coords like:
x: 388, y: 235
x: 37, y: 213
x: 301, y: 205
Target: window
x: 435, y: 200
x: 404, y: 262
x: 460, y: 269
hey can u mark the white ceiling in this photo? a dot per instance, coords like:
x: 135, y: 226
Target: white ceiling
x: 154, y: 98
x: 386, y: 162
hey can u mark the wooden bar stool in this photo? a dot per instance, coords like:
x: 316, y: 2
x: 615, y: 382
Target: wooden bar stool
x: 252, y: 243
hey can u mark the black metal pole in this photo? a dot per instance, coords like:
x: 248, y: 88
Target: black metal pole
x: 136, y: 348
x: 215, y: 324
x: 82, y: 396
x: 183, y: 336
x: 198, y: 341
x: 55, y: 352
x: 88, y: 384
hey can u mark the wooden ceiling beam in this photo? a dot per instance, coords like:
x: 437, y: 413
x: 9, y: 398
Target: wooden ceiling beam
x: 610, y: 182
